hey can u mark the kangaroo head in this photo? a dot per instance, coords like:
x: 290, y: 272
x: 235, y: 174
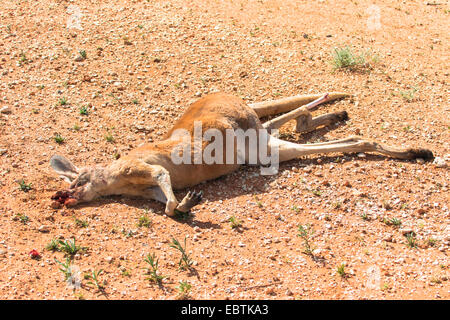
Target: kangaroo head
x: 85, y: 183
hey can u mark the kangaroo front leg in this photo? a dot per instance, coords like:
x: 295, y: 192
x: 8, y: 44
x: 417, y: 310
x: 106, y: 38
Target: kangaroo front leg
x: 128, y: 171
x: 189, y: 201
x: 163, y: 181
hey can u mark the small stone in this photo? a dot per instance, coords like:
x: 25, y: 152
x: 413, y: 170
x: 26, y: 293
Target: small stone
x: 326, y: 183
x: 439, y: 162
x: 243, y: 74
x: 43, y: 229
x: 5, y: 110
x: 318, y: 252
x: 270, y: 291
x: 55, y: 205
x: 421, y: 211
x: 420, y: 161
x: 109, y: 259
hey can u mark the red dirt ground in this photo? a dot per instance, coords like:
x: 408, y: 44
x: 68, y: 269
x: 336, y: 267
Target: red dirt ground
x: 145, y: 62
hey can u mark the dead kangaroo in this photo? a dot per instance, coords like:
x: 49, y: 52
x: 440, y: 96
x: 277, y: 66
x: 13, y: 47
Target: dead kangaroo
x: 148, y: 171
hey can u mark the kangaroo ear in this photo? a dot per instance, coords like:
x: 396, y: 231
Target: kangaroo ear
x: 64, y: 167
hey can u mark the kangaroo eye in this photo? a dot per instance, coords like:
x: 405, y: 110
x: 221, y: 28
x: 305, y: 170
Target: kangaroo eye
x: 81, y: 180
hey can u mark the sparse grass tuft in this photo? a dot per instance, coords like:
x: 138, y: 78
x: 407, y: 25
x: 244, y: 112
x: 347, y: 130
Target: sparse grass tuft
x: 22, y: 218
x: 408, y: 95
x: 23, y: 186
x: 83, y: 54
x: 411, y: 240
x: 153, y: 270
x: 59, y: 139
x: 432, y: 242
x: 184, y: 289
x: 235, y: 222
x: 65, y: 268
x: 84, y: 111
x: 185, y: 262
x: 344, y: 58
x: 144, y: 221
x: 70, y: 247
x: 306, y: 232
x: 62, y: 101
x: 258, y: 202
x: 109, y: 137
x: 23, y: 59
x: 393, y: 222
x: 81, y: 223
x: 126, y: 273
x: 53, y: 245
x: 341, y: 271
x: 95, y: 280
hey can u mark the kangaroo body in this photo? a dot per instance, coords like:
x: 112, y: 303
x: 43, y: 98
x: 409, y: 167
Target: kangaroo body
x: 150, y: 172
x: 216, y: 111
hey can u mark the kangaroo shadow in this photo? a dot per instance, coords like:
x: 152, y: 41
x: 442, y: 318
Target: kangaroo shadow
x: 152, y: 205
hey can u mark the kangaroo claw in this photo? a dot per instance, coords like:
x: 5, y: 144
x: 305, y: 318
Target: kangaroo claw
x: 191, y: 199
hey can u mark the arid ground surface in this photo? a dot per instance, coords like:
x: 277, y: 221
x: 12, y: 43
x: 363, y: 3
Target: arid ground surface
x: 91, y: 80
